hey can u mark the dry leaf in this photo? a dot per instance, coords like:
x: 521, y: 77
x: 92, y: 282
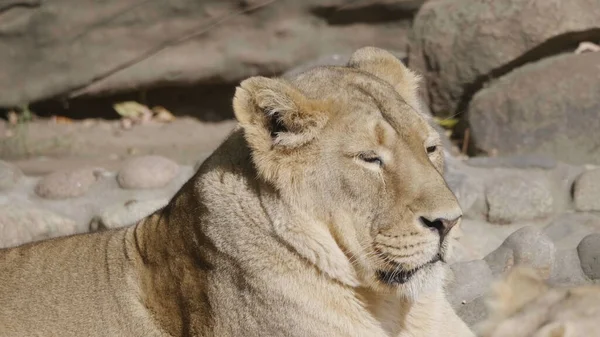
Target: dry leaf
x: 162, y: 115
x: 62, y: 120
x: 133, y: 110
x: 446, y: 123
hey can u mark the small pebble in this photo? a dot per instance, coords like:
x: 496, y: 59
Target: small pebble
x: 147, y: 172
x: 66, y: 183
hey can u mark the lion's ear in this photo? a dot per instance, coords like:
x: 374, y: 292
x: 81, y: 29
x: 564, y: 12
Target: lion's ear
x: 389, y: 68
x: 274, y: 113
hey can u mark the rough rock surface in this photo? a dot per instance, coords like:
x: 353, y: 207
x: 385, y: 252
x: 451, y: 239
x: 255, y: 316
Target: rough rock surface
x: 471, y: 280
x: 567, y: 269
x: 517, y: 161
x: 470, y: 192
x: 9, y: 175
x: 547, y: 108
x: 66, y: 183
x: 472, y: 312
x: 528, y: 246
x: 20, y: 224
x: 586, y: 191
x: 147, y: 172
x: 567, y: 230
x: 518, y: 198
x: 55, y: 48
x: 589, y: 255
x: 460, y: 44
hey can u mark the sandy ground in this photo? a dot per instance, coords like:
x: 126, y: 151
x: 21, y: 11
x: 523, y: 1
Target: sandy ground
x: 45, y: 145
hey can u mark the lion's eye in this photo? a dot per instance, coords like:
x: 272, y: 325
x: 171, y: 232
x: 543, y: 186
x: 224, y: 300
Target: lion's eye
x: 371, y: 158
x: 431, y: 149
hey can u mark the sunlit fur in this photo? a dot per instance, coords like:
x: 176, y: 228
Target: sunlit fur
x: 282, y: 232
x: 373, y: 212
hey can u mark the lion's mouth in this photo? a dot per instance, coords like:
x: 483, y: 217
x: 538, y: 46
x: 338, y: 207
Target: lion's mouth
x: 401, y: 276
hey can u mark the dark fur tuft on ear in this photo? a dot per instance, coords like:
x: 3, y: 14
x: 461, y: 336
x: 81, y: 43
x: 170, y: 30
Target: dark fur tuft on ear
x: 274, y: 113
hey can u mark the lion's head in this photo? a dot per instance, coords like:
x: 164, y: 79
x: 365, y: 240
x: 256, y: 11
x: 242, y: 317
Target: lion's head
x: 349, y: 148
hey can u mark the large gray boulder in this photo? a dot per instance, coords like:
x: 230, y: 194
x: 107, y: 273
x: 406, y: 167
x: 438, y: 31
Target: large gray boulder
x: 460, y: 44
x: 549, y: 108
x: 63, y: 48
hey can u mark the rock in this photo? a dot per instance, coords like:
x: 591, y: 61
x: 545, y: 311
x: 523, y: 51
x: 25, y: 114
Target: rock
x: 517, y: 197
x: 567, y: 269
x: 147, y: 172
x: 500, y: 260
x: 589, y: 255
x: 480, y: 237
x: 460, y: 44
x: 528, y: 246
x: 461, y: 252
x: 67, y: 183
x: 518, y: 161
x: 469, y: 191
x: 563, y: 177
x: 586, y: 191
x: 20, y: 224
x: 472, y: 312
x: 471, y: 280
x: 9, y: 175
x: 159, y: 43
x: 125, y: 214
x: 569, y: 229
x: 547, y: 108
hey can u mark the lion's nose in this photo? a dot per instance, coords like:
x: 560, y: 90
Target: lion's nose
x: 443, y: 226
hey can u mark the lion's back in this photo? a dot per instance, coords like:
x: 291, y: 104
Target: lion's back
x: 68, y: 286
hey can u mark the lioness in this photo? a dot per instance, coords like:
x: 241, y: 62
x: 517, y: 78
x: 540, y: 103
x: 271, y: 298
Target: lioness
x: 324, y: 214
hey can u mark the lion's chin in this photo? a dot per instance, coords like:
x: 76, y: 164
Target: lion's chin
x: 421, y: 281
x: 396, y: 277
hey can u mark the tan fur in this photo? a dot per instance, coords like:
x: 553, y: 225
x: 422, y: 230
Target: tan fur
x: 523, y: 305
x: 286, y: 230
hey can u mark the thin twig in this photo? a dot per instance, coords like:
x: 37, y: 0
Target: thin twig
x: 466, y: 139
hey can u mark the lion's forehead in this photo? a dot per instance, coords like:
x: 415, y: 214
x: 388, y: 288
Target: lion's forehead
x: 360, y: 97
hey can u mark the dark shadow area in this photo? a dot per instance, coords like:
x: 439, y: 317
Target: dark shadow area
x: 10, y: 4
x: 211, y: 103
x: 371, y: 13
